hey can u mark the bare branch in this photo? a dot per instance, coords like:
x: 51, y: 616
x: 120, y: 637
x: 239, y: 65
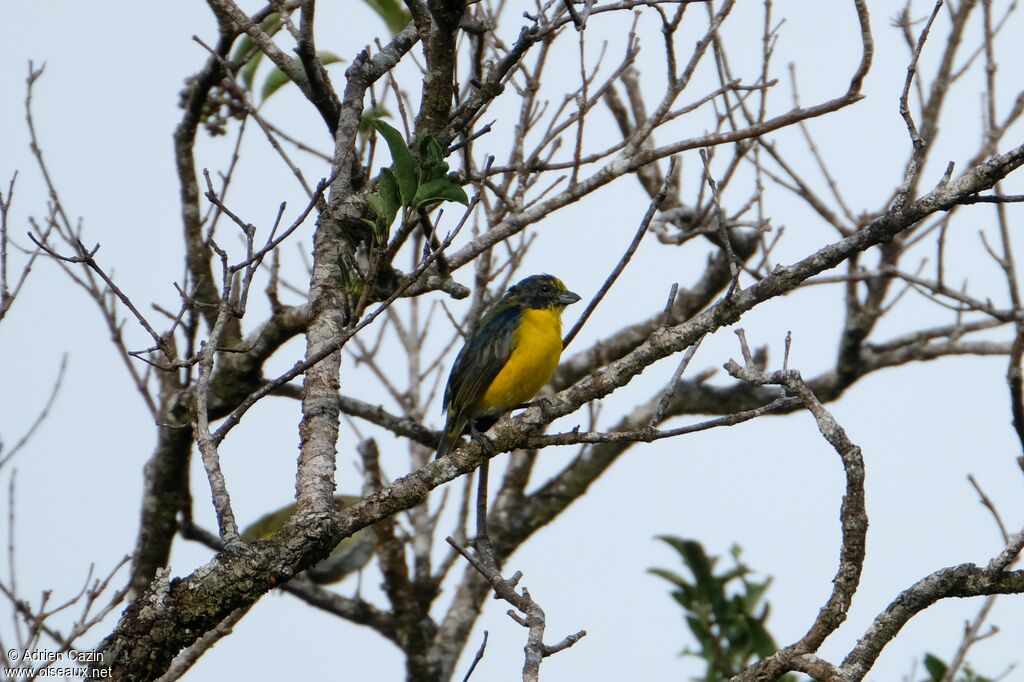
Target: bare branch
x: 40, y: 418
x: 624, y: 261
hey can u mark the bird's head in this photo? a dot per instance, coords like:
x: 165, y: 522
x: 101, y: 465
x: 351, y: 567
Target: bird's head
x: 541, y: 291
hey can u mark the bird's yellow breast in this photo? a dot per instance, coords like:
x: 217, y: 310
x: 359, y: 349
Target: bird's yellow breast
x: 538, y: 346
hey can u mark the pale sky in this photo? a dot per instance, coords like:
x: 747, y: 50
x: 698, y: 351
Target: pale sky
x: 105, y: 111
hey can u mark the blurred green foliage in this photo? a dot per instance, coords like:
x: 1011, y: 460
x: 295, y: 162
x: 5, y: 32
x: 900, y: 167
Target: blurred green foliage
x: 726, y: 611
x: 393, y: 12
x: 727, y: 615
x: 936, y: 669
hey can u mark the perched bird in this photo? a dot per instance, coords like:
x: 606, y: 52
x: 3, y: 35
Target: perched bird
x: 511, y: 354
x: 348, y: 556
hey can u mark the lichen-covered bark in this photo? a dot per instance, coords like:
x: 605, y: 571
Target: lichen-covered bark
x: 198, y: 255
x: 439, y: 80
x: 165, y: 494
x: 165, y: 476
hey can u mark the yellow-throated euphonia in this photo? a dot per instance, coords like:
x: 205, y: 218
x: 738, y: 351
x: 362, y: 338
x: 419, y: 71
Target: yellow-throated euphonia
x: 511, y: 354
x: 349, y: 556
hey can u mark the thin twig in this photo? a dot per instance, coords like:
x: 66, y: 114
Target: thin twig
x: 917, y: 141
x: 624, y: 261
x: 40, y: 418
x: 476, y: 658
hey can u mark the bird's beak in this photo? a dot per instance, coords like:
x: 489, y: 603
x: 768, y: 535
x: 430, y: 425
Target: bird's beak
x: 568, y: 298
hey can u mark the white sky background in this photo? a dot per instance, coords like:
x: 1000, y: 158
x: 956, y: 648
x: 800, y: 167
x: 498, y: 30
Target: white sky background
x: 105, y: 110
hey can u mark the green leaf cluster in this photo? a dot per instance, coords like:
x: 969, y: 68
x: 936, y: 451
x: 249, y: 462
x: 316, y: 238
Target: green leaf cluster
x: 727, y: 614
x: 412, y: 182
x: 936, y: 669
x: 725, y: 611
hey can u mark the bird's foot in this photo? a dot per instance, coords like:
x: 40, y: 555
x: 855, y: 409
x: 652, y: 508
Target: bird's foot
x: 480, y: 437
x: 545, y: 405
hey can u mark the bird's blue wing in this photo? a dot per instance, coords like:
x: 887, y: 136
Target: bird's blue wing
x: 480, y: 360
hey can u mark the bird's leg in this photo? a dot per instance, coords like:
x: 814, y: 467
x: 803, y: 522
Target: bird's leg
x: 480, y: 437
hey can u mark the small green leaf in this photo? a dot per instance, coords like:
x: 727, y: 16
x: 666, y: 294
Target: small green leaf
x: 242, y: 48
x: 754, y: 593
x: 701, y: 566
x: 676, y: 543
x: 248, y: 72
x: 376, y: 202
x: 394, y: 14
x: 762, y: 642
x: 385, y: 202
x: 935, y: 667
x: 389, y: 191
x: 274, y: 81
x: 700, y: 631
x: 326, y: 58
x: 271, y: 25
x: 668, y: 575
x: 277, y: 78
x: 367, y: 121
x: 402, y: 161
x: 685, y: 597
x: 432, y: 163
x: 441, y: 189
x: 732, y: 574
x: 434, y: 149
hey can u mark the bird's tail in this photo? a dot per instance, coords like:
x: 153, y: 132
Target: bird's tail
x: 452, y: 433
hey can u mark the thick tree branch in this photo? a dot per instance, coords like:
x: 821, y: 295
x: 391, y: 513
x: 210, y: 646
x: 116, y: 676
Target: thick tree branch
x: 439, y: 79
x: 966, y: 580
x: 853, y: 516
